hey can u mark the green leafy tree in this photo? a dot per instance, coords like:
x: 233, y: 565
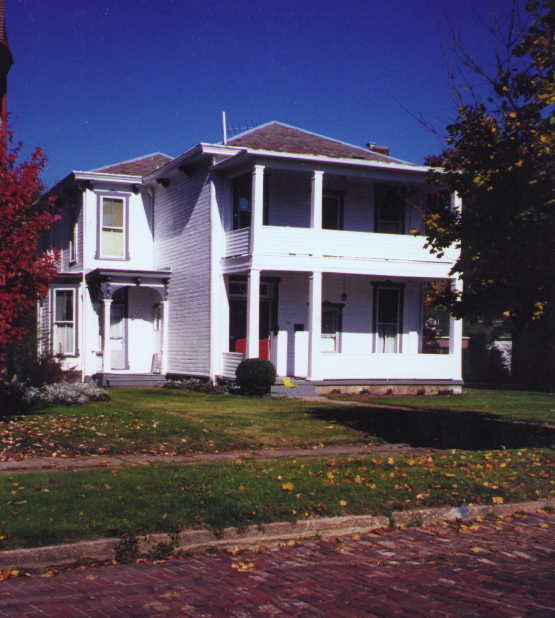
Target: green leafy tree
x: 499, y: 159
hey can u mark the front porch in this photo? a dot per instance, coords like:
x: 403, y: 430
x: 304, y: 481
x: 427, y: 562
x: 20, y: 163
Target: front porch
x: 132, y: 319
x: 324, y: 327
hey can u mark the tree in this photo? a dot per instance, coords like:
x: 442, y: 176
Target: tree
x: 499, y: 158
x: 26, y: 266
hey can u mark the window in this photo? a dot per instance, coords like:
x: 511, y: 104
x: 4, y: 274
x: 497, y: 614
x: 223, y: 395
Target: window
x: 64, y: 322
x: 242, y: 201
x: 112, y: 233
x: 332, y: 318
x: 332, y: 211
x: 73, y: 243
x: 435, y: 319
x: 388, y: 303
x: 389, y: 203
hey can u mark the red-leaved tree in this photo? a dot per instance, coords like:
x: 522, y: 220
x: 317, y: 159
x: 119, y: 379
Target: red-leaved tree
x: 26, y: 266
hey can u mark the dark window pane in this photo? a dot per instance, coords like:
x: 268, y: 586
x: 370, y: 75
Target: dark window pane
x: 64, y: 306
x: 242, y: 201
x: 332, y: 212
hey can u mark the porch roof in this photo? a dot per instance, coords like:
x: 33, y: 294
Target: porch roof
x: 128, y: 276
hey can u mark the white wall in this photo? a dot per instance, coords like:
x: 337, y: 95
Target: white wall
x: 182, y: 231
x: 140, y: 233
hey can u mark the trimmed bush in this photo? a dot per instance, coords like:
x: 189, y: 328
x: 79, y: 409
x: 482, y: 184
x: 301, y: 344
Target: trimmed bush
x: 255, y: 376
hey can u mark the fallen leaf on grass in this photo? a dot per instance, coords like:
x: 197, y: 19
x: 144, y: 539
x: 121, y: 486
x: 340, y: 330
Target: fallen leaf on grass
x: 287, y: 486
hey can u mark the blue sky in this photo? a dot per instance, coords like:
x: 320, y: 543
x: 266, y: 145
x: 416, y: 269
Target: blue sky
x: 98, y: 82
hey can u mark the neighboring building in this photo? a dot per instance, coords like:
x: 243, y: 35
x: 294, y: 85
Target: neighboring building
x: 280, y: 243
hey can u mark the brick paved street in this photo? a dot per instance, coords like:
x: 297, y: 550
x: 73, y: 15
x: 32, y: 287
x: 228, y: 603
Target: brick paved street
x: 487, y: 568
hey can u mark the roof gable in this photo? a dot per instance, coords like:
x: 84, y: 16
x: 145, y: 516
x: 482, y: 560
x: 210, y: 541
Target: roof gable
x: 281, y: 137
x: 141, y: 166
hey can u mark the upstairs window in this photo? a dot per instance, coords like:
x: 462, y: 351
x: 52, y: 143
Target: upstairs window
x: 242, y: 196
x: 332, y: 211
x: 112, y: 233
x: 242, y: 201
x: 64, y: 322
x: 390, y: 209
x: 73, y: 243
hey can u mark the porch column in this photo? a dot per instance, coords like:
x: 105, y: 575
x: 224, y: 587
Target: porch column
x: 257, y: 204
x: 165, y: 337
x: 455, y: 336
x: 316, y: 199
x: 314, y: 324
x: 106, y: 360
x: 253, y: 314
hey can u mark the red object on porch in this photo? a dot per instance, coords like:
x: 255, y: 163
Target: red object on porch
x: 263, y: 350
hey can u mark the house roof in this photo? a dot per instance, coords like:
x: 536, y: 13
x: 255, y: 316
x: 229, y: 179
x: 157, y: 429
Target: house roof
x: 141, y: 166
x: 281, y: 137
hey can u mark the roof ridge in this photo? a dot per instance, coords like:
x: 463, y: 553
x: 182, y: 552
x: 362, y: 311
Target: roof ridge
x: 146, y: 156
x: 364, y: 152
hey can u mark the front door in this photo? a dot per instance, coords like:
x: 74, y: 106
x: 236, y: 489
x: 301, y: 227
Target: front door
x: 238, y: 316
x: 388, y: 318
x: 238, y: 327
x: 118, y: 335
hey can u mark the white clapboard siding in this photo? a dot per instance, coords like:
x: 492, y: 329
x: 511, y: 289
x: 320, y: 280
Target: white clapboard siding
x: 182, y: 243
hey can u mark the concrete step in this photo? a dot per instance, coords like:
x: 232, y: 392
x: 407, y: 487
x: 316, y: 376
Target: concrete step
x: 139, y: 380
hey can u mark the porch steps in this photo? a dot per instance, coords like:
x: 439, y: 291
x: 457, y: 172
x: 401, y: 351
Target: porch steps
x: 139, y: 380
x: 297, y: 388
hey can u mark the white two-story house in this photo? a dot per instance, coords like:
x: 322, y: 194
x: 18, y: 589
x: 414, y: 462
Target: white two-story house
x: 278, y: 244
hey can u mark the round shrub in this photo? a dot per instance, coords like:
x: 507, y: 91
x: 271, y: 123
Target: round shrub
x: 255, y: 376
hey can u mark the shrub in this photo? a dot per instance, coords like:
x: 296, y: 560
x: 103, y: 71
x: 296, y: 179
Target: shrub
x: 16, y: 397
x: 197, y: 385
x: 70, y: 394
x: 255, y: 376
x: 43, y: 370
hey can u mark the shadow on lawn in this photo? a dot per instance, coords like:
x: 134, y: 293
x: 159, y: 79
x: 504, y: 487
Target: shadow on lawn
x: 441, y: 428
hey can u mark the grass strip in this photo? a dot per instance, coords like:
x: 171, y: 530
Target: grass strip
x: 48, y: 508
x: 522, y: 405
x: 167, y: 421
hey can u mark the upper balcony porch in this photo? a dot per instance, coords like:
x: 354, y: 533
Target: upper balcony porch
x: 326, y: 221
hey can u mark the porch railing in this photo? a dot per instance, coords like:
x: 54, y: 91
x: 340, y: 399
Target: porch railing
x: 281, y: 240
x: 237, y: 242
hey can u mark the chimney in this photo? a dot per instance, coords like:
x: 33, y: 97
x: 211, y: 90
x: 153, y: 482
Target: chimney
x: 6, y: 61
x: 379, y: 149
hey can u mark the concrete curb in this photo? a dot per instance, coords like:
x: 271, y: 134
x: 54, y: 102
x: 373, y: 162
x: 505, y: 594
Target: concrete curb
x: 102, y: 550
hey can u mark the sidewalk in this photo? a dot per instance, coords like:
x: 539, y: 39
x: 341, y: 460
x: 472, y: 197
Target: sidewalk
x: 37, y: 464
x: 499, y: 567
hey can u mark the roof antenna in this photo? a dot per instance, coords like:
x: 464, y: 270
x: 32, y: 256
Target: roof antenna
x: 224, y: 128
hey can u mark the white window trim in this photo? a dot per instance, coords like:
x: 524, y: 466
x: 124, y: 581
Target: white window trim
x: 124, y: 197
x: 55, y: 322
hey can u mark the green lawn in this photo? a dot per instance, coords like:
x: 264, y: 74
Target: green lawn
x: 524, y: 405
x: 167, y: 421
x: 55, y: 507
